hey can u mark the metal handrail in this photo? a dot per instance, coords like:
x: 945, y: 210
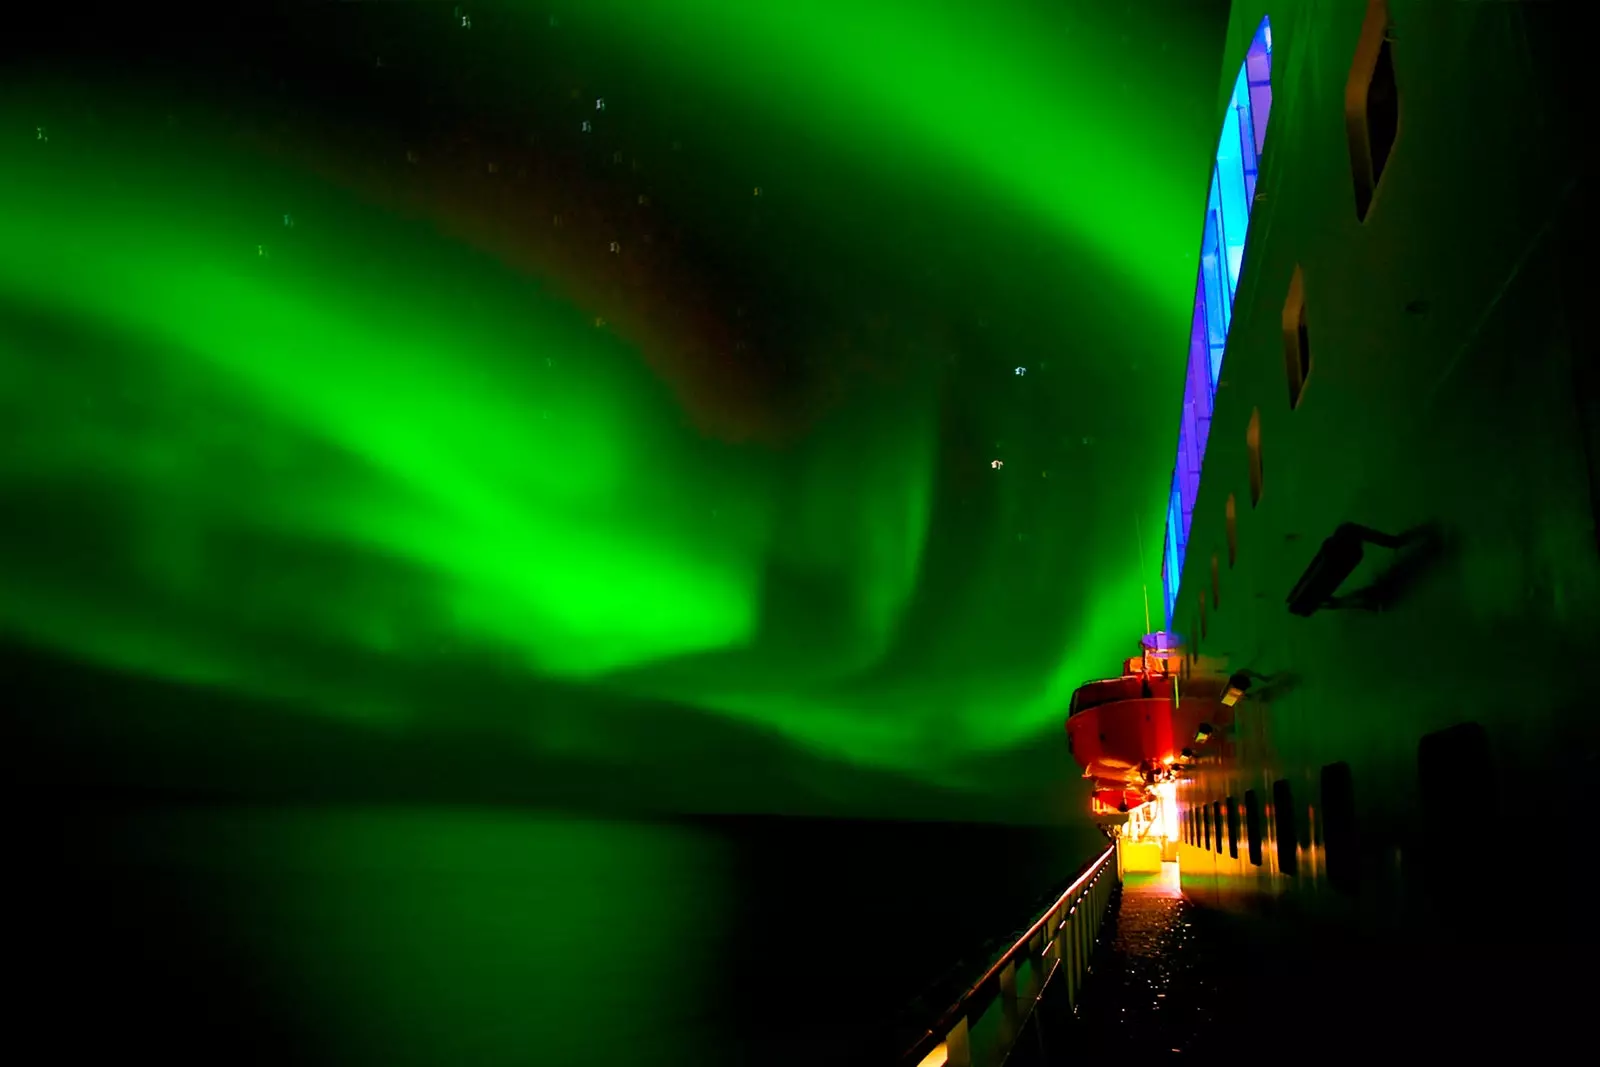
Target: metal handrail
x: 986, y: 990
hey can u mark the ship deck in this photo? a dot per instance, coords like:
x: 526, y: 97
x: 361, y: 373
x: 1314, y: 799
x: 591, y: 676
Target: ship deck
x: 1155, y: 987
x: 1171, y: 976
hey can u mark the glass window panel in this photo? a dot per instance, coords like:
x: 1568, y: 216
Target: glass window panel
x: 1223, y: 238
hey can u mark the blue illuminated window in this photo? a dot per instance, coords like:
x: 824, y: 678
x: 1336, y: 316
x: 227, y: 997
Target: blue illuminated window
x: 1222, y: 241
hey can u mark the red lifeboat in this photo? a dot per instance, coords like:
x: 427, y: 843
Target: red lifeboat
x: 1119, y: 729
x: 1126, y: 732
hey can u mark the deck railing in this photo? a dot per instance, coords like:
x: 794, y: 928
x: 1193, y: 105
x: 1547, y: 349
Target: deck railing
x: 981, y: 1028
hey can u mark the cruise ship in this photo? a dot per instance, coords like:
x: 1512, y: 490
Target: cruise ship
x: 1364, y: 734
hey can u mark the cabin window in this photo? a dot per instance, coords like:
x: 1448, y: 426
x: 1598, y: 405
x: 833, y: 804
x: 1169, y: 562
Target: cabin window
x: 1252, y: 442
x: 1285, y: 821
x: 1205, y: 822
x: 1216, y: 585
x: 1372, y: 106
x: 1252, y: 825
x: 1460, y: 793
x: 1308, y: 829
x: 1223, y: 232
x: 1233, y: 532
x: 1339, y: 842
x: 1233, y: 827
x: 1296, y: 341
x: 1216, y: 821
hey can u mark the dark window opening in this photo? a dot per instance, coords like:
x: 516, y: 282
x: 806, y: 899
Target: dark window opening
x: 1216, y: 584
x: 1296, y: 340
x: 1252, y: 825
x: 1216, y: 821
x: 1460, y: 794
x: 1285, y: 820
x: 1233, y: 827
x: 1205, y: 820
x: 1252, y: 441
x: 1339, y: 828
x: 1372, y: 106
x: 1383, y: 110
x: 1233, y: 532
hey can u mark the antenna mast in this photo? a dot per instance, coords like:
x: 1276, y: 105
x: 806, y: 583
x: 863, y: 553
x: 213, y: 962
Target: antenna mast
x: 1144, y: 585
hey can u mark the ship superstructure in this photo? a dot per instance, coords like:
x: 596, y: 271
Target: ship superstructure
x: 1382, y: 533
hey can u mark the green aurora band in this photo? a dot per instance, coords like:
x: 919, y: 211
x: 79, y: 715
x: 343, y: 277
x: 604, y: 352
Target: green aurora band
x: 239, y: 452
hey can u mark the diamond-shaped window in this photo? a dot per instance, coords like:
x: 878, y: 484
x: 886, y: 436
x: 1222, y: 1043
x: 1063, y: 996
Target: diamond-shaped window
x: 1296, y: 339
x: 1372, y: 105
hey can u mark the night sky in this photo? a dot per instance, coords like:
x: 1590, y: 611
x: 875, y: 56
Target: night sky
x: 690, y: 406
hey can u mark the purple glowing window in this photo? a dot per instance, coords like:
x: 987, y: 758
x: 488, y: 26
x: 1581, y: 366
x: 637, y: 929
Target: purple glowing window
x: 1222, y: 242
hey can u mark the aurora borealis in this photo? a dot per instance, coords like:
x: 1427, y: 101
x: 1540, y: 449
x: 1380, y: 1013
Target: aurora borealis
x: 628, y: 361
x: 466, y: 468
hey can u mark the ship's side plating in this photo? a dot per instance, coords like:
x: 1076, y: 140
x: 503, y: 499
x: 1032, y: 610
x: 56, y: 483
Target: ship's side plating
x: 1409, y: 361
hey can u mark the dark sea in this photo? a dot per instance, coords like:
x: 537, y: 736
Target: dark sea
x: 432, y: 934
